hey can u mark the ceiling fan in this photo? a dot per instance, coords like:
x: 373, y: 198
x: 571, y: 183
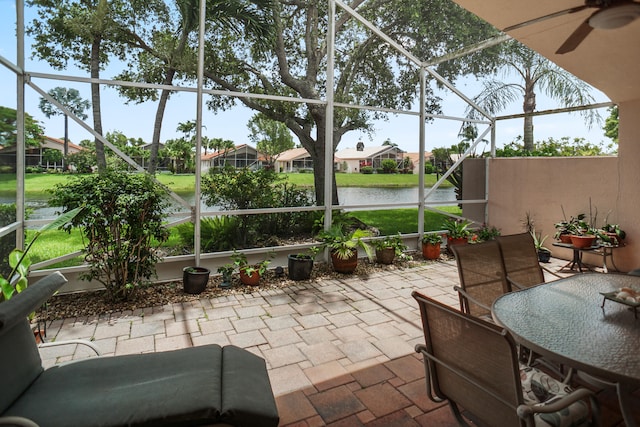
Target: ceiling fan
x: 610, y: 14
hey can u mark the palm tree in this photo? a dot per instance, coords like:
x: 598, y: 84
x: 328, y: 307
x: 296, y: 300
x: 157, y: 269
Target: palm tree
x: 69, y: 98
x: 535, y: 73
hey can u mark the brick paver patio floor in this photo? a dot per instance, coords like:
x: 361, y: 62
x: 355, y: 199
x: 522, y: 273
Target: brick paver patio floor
x: 339, y: 352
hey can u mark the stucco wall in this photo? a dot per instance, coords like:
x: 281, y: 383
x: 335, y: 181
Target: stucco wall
x: 543, y: 186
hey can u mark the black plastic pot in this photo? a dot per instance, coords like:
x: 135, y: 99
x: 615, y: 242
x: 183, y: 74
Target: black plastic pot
x: 544, y: 256
x: 195, y: 279
x: 300, y: 267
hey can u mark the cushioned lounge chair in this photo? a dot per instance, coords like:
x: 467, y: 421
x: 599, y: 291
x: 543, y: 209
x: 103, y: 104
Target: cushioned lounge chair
x: 207, y: 385
x: 472, y: 364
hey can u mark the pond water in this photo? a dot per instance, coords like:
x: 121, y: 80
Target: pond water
x: 346, y: 195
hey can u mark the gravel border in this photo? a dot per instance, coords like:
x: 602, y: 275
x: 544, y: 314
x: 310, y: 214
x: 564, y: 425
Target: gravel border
x: 95, y: 303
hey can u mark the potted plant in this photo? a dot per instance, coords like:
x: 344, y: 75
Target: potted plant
x: 195, y: 279
x: 566, y: 228
x: 227, y: 272
x: 250, y: 274
x: 431, y: 245
x: 388, y: 248
x: 544, y: 254
x: 612, y: 234
x: 343, y: 247
x: 300, y: 265
x: 457, y: 231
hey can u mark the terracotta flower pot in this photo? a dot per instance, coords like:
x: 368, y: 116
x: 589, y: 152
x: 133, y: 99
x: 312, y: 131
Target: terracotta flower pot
x: 346, y: 266
x: 582, y: 241
x: 386, y: 255
x: 456, y: 241
x: 431, y: 250
x: 250, y: 279
x: 565, y: 238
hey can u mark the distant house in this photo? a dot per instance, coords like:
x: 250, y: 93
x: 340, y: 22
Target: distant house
x: 34, y: 156
x: 352, y: 160
x: 415, y: 159
x: 294, y: 160
x: 239, y: 157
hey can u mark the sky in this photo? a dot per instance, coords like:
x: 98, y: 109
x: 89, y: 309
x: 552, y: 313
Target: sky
x: 136, y: 121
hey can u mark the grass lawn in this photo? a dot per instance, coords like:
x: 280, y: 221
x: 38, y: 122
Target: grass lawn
x: 37, y: 185
x: 393, y: 221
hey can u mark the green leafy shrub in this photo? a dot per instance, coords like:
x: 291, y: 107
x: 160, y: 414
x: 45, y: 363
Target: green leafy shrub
x: 366, y: 170
x: 389, y: 166
x: 236, y: 189
x: 216, y: 233
x: 429, y: 169
x: 123, y: 216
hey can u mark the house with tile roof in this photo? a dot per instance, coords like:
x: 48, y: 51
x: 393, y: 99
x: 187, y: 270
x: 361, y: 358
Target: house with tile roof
x: 294, y: 160
x: 352, y: 160
x: 242, y: 156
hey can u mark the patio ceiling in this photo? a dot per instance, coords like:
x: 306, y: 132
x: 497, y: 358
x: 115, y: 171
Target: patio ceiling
x: 607, y: 59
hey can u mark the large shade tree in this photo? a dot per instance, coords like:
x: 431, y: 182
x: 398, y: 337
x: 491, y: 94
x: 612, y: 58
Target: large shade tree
x: 167, y: 49
x: 84, y: 33
x: 271, y: 137
x: 523, y: 74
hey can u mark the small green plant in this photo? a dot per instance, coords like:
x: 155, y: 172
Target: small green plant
x: 344, y: 243
x: 394, y: 242
x: 310, y: 253
x: 486, y: 233
x: 538, y: 241
x: 432, y: 238
x: 457, y: 228
x: 240, y: 262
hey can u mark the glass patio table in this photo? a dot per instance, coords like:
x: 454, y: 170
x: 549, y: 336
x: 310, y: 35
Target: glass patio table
x: 568, y: 321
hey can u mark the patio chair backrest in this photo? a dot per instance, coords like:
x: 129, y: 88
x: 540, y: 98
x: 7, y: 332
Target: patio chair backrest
x: 471, y: 363
x: 521, y: 260
x: 482, y: 276
x: 20, y: 362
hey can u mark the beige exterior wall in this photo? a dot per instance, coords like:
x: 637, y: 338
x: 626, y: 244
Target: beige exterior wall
x: 543, y: 186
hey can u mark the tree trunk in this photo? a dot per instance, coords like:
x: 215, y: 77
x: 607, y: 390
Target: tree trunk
x: 157, y: 124
x: 95, y: 101
x: 529, y: 106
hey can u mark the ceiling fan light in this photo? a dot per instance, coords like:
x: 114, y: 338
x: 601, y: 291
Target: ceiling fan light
x: 615, y: 16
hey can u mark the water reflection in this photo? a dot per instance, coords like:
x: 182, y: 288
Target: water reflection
x: 346, y: 195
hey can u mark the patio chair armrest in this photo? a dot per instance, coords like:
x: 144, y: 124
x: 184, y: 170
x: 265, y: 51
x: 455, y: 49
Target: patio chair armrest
x: 527, y: 411
x: 86, y: 343
x: 463, y: 295
x: 17, y: 421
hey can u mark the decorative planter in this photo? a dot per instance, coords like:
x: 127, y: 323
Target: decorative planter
x: 565, y: 238
x: 544, y: 256
x: 582, y: 241
x: 431, y: 250
x: 385, y: 255
x: 250, y: 279
x: 195, y: 279
x: 456, y: 241
x: 345, y: 266
x: 299, y: 267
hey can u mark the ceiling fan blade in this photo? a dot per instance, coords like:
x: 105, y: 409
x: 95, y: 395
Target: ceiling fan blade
x: 575, y: 38
x: 545, y: 17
